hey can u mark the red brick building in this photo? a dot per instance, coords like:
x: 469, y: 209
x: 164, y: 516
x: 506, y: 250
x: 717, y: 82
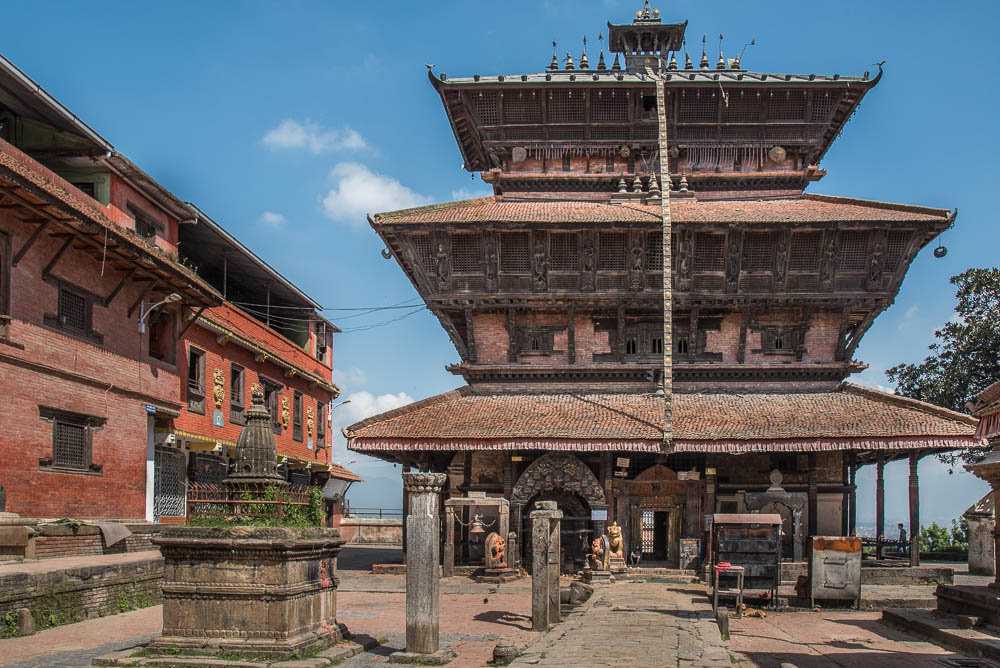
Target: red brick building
x: 619, y: 184
x: 100, y: 316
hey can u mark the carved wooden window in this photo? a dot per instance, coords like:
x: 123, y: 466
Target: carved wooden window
x: 236, y: 391
x: 804, y: 251
x: 563, y: 251
x: 423, y: 248
x: 537, y: 340
x: 643, y: 338
x: 758, y: 251
x: 895, y: 249
x: 611, y: 251
x: 567, y: 163
x: 699, y: 107
x: 272, y: 392
x: 322, y: 341
x: 779, y: 340
x: 466, y: 254
x: 823, y: 105
x: 681, y: 346
x: 487, y: 107
x: 708, y: 252
x: 297, y: 416
x: 654, y: 251
x: 787, y: 106
x: 145, y: 226
x: 72, y: 439
x: 656, y: 345
x: 514, y: 256
x: 566, y: 106
x: 744, y: 107
x: 522, y: 107
x: 852, y: 257
x: 320, y: 424
x: 196, y: 380
x: 608, y: 106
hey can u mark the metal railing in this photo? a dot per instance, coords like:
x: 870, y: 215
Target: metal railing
x: 212, y: 499
x: 373, y: 513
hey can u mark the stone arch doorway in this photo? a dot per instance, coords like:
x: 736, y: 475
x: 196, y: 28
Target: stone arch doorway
x: 573, y: 486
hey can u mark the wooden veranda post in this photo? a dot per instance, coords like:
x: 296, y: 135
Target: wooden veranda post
x: 914, y: 509
x: 665, y: 186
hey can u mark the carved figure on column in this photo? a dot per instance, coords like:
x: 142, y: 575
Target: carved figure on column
x: 492, y: 262
x: 539, y: 269
x: 637, y: 278
x: 442, y: 266
x: 829, y: 260
x: 587, y: 263
x: 781, y: 260
x: 734, y: 245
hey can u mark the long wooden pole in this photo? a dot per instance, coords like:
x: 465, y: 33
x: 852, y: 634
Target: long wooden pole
x: 667, y: 373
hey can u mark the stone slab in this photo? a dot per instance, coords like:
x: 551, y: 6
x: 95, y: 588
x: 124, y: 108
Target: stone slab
x: 139, y: 657
x: 439, y: 658
x: 944, y: 629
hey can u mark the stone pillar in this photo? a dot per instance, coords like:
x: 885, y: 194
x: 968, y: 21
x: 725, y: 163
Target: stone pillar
x: 813, y: 497
x: 517, y: 526
x: 513, y: 555
x: 852, y: 519
x: 914, y: 510
x: 545, y: 565
x: 406, y: 506
x: 448, y: 565
x: 423, y: 595
x: 879, y: 505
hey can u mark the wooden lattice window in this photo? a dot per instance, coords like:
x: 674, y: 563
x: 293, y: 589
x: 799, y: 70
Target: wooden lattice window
x: 297, y: 416
x: 320, y: 424
x: 681, y: 346
x: 788, y: 106
x: 895, y: 248
x: 145, y: 226
x: 563, y: 251
x: 608, y: 106
x: 804, y: 251
x: 72, y: 439
x: 823, y: 106
x: 537, y: 340
x: 236, y: 401
x: 744, y: 107
x: 522, y: 107
x: 514, y: 255
x: 779, y: 340
x: 654, y: 251
x: 423, y: 248
x: 611, y: 251
x: 272, y: 393
x: 853, y: 253
x: 758, y: 251
x: 699, y: 107
x: 196, y: 380
x: 466, y: 254
x: 162, y: 336
x: 74, y: 312
x: 566, y: 106
x: 487, y: 107
x: 708, y: 252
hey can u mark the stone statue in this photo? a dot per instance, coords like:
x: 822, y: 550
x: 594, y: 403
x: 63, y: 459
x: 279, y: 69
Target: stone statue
x: 616, y: 545
x: 598, y: 557
x: 496, y: 551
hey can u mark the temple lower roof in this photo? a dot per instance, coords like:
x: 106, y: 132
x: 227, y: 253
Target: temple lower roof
x: 803, y: 209
x: 851, y: 417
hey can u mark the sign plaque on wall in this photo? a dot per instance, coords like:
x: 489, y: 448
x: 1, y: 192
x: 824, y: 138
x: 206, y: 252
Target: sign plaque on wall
x: 217, y: 420
x: 599, y: 514
x: 622, y: 462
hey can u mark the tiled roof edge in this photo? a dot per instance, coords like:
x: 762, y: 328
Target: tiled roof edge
x: 349, y: 431
x: 878, y: 204
x: 387, y: 216
x: 907, y: 402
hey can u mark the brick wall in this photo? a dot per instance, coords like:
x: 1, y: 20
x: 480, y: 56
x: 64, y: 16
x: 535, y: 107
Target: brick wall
x: 105, y: 586
x: 222, y: 356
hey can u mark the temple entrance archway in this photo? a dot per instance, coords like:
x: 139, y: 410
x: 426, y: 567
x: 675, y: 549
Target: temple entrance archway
x: 573, y: 486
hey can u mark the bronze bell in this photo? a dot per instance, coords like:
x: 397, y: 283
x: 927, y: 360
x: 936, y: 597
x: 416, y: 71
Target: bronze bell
x: 477, y: 528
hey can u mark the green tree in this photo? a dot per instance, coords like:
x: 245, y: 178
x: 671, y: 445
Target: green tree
x: 965, y: 356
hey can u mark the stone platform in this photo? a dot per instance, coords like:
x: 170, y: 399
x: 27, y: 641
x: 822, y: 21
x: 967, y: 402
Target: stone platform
x: 330, y: 656
x: 954, y: 631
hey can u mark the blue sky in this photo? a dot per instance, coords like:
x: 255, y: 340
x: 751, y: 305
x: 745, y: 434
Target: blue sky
x: 286, y: 121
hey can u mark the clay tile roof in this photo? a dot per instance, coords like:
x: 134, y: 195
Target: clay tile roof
x: 800, y: 209
x: 851, y: 417
x: 343, y: 473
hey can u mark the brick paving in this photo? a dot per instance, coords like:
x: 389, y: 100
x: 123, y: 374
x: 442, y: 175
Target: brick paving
x: 635, y: 626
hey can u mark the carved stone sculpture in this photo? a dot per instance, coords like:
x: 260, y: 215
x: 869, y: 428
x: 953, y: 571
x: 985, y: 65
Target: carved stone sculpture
x: 218, y: 387
x: 616, y: 545
x: 496, y: 551
x: 539, y: 269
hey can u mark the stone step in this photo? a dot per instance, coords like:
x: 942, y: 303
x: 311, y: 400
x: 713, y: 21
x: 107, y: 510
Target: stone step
x: 944, y: 630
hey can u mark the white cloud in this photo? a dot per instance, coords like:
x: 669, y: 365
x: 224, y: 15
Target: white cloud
x: 909, y: 315
x: 290, y: 134
x: 364, y: 404
x: 273, y: 219
x: 358, y: 191
x: 465, y: 193
x: 347, y: 377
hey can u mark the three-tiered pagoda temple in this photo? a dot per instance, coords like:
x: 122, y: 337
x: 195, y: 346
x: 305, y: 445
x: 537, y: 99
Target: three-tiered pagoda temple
x: 552, y: 291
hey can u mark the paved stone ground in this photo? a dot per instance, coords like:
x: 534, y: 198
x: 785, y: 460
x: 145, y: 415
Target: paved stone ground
x: 635, y: 626
x: 847, y: 639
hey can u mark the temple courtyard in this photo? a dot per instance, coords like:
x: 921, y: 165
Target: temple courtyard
x: 650, y: 623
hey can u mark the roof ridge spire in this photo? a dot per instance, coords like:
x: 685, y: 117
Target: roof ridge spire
x: 721, y: 65
x: 554, y: 63
x: 569, y: 62
x: 584, y: 59
x: 601, y: 66
x: 704, y: 53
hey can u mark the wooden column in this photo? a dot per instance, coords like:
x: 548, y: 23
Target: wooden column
x: 852, y: 520
x: 813, y: 497
x: 914, y: 510
x: 406, y: 507
x: 879, y: 505
x: 448, y: 568
x: 845, y: 498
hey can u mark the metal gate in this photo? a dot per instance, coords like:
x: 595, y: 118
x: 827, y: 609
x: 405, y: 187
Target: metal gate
x: 647, y: 535
x: 169, y: 483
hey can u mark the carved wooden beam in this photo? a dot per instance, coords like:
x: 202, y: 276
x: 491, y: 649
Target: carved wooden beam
x: 29, y: 243
x: 106, y: 302
x: 190, y: 322
x: 47, y: 271
x: 142, y: 295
